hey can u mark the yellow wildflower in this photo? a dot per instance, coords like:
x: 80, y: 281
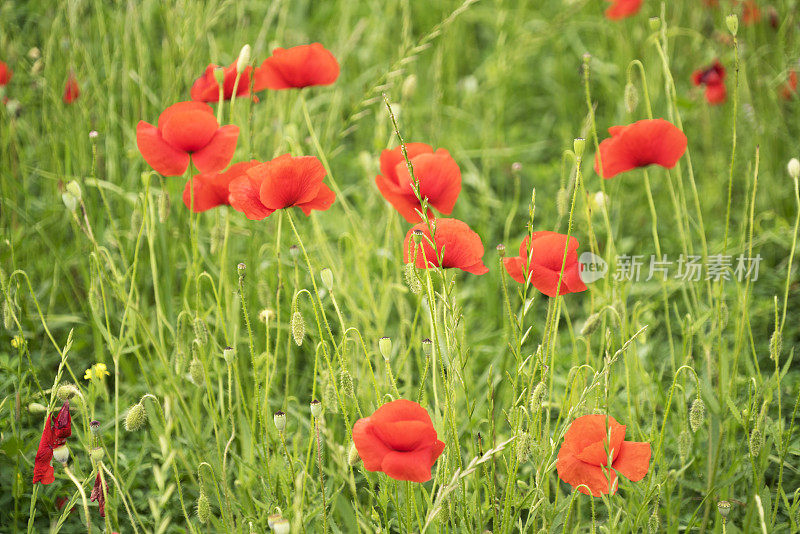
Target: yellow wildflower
x: 98, y: 371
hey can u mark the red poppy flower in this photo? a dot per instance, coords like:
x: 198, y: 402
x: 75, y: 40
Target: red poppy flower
x: 546, y: 253
x: 713, y: 77
x: 583, y: 458
x: 98, y: 495
x: 281, y: 183
x: 621, y: 9
x: 186, y: 129
x: 399, y: 440
x: 460, y: 246
x: 438, y: 175
x: 71, y: 90
x: 750, y: 12
x: 54, y: 435
x: 297, y: 67
x: 211, y: 188
x: 789, y: 89
x: 643, y: 143
x: 5, y: 74
x: 206, y: 88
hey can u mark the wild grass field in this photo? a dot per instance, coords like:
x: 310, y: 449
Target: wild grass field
x: 211, y: 372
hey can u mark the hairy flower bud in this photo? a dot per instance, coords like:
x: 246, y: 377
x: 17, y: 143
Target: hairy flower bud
x: 684, y: 444
x: 697, y: 414
x: 327, y: 278
x: 196, y: 372
x: 653, y: 523
x: 410, y: 274
x: 538, y: 396
x: 352, y: 456
x: 631, y: 97
x: 200, y: 330
x: 67, y: 391
x: 298, y: 328
x: 203, y: 508
x: 591, y: 324
x: 756, y: 442
x: 136, y: 417
x: 775, y: 345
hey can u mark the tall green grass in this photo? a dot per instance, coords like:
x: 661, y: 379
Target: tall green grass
x: 505, y: 87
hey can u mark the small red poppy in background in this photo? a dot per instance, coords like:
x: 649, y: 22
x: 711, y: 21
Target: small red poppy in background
x: 206, y: 89
x: 461, y: 247
x: 583, y: 457
x: 750, y: 12
x: 297, y: 67
x: 546, y: 252
x: 211, y: 188
x: 186, y: 129
x: 789, y: 89
x: 621, y: 9
x: 98, y: 495
x: 284, y: 182
x: 71, y: 89
x: 54, y: 435
x: 645, y: 142
x: 399, y: 440
x: 713, y: 78
x: 5, y: 74
x: 437, y: 172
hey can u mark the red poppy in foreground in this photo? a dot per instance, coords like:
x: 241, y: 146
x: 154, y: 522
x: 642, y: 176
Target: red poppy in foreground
x: 211, y: 188
x: 186, y: 129
x: 621, y: 9
x: 206, y: 89
x: 297, y: 67
x: 98, y: 495
x: 583, y: 459
x: 438, y: 175
x: 399, y: 440
x: 461, y: 247
x: 789, y: 89
x: 5, y: 74
x: 643, y: 143
x: 71, y: 90
x: 54, y: 435
x: 546, y: 253
x: 713, y: 78
x: 281, y: 183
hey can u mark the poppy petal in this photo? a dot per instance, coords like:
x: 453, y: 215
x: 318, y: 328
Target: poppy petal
x: 161, y: 156
x: 633, y: 460
x: 297, y: 67
x: 189, y: 131
x: 581, y: 475
x: 405, y: 435
x: 401, y: 410
x: 371, y: 449
x: 324, y: 200
x: 182, y: 107
x: 290, y: 181
x: 439, y: 179
x: 216, y: 155
x: 391, y: 158
x: 243, y: 196
x: 414, y: 466
x: 514, y: 266
x: 589, y: 437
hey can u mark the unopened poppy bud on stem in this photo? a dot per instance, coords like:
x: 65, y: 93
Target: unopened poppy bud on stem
x: 794, y: 168
x: 385, y: 346
x: 203, y: 508
x: 244, y: 59
x: 136, y: 417
x: 272, y: 518
x: 196, y: 371
x: 352, y: 455
x: 298, y: 328
x: 697, y: 414
x: 327, y: 278
x: 279, y: 418
x: 631, y: 97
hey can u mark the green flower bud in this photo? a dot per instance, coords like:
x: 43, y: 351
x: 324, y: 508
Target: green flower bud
x: 756, y: 442
x: 243, y: 61
x: 298, y: 328
x: 410, y: 275
x: 203, y: 508
x: 631, y: 97
x: 196, y: 372
x: 794, y: 168
x: 136, y: 417
x: 732, y: 21
x: 578, y: 146
x: 653, y: 523
x: 591, y: 324
x: 684, y: 444
x: 385, y: 346
x: 697, y: 414
x: 327, y: 278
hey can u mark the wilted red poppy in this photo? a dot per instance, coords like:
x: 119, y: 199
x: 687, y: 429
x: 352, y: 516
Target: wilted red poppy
x: 186, y: 129
x: 211, y: 188
x: 71, y: 89
x: 621, y: 9
x: 438, y: 175
x: 281, y: 183
x: 713, y: 78
x: 98, y: 495
x: 5, y: 74
x: 54, y: 435
x: 297, y: 67
x: 399, y: 440
x: 461, y: 247
x: 583, y: 458
x: 206, y: 89
x: 643, y: 143
x: 789, y: 89
x: 546, y: 253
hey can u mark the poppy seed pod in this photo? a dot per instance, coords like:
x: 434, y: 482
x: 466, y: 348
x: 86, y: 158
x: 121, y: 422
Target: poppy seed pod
x: 136, y: 417
x: 427, y: 347
x: 327, y: 278
x: 281, y: 526
x: 96, y: 453
x: 244, y: 59
x: 655, y: 23
x: 61, y: 454
x: 279, y: 418
x: 501, y: 250
x: 724, y: 508
x: 385, y: 346
x: 298, y: 328
x: 229, y: 354
x: 316, y: 408
x: 416, y: 235
x: 203, y: 508
x: 697, y: 414
x: 732, y: 22
x: 219, y: 75
x: 241, y: 268
x: 578, y: 146
x: 272, y: 518
x: 794, y: 168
